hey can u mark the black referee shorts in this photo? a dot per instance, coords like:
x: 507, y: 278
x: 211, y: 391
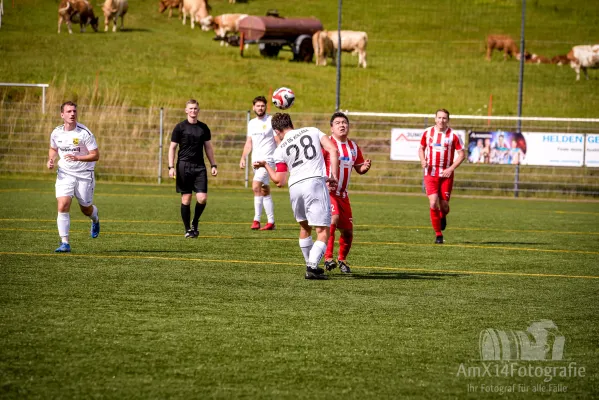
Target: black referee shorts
x: 191, y: 178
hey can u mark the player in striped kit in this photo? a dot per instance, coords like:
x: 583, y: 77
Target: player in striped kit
x: 437, y: 157
x: 300, y: 153
x: 350, y: 157
x: 78, y: 151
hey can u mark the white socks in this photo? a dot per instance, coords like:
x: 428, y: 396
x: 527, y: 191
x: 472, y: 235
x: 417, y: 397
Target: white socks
x: 306, y: 246
x: 63, y: 220
x: 258, y: 208
x: 94, y: 216
x: 269, y: 207
x: 316, y: 254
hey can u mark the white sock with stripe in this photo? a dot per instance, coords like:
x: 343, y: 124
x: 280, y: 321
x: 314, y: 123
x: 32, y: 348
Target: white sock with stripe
x: 94, y: 216
x: 63, y: 220
x: 306, y: 245
x: 269, y: 207
x: 316, y: 254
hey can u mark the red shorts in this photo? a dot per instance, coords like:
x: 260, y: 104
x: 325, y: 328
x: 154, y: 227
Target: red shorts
x: 438, y: 185
x: 341, y: 207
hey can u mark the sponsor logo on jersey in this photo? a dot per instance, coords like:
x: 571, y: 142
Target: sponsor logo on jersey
x: 70, y: 149
x: 76, y: 141
x: 354, y: 152
x: 343, y: 158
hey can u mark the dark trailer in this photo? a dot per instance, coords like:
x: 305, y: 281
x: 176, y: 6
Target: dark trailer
x: 272, y: 34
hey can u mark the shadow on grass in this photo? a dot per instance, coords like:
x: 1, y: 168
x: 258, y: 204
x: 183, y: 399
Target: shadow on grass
x: 125, y: 30
x: 397, y: 275
x: 506, y: 242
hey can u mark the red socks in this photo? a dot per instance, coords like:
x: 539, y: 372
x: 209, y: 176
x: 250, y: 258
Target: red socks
x: 436, y: 220
x: 328, y: 254
x: 345, y: 245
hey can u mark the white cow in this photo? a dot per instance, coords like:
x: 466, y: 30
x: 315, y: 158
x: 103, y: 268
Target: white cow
x: 226, y: 23
x: 199, y: 11
x: 583, y: 57
x: 113, y: 9
x: 351, y: 41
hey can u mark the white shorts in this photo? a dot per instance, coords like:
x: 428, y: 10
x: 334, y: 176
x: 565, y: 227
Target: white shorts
x: 310, y: 202
x: 261, y: 174
x: 81, y: 188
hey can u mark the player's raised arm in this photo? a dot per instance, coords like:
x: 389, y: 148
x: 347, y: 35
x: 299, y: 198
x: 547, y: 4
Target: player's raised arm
x: 279, y: 177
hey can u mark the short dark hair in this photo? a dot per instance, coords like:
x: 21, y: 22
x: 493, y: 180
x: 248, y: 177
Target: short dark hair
x: 192, y: 101
x: 442, y: 110
x: 338, y: 114
x: 67, y: 103
x: 281, y: 121
x: 259, y: 98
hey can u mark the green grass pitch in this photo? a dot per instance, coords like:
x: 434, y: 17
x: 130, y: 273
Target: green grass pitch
x: 142, y: 312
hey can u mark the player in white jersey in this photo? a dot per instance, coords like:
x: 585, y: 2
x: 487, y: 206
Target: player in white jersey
x: 261, y: 141
x: 78, y: 151
x: 300, y: 154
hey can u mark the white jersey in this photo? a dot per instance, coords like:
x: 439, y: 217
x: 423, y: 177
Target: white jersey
x: 263, y: 138
x: 80, y: 141
x: 300, y: 153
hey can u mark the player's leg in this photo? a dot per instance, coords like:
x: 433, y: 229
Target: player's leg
x: 318, y: 212
x: 299, y: 212
x: 305, y: 239
x: 329, y: 263
x: 444, y: 195
x: 346, y: 228
x: 258, y: 198
x: 185, y: 187
x: 269, y: 205
x: 84, y: 192
x: 201, y: 189
x: 432, y: 191
x: 65, y: 189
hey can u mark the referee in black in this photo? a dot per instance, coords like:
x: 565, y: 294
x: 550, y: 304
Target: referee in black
x: 192, y: 137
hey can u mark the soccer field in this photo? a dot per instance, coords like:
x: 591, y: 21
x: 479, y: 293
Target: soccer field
x: 142, y: 312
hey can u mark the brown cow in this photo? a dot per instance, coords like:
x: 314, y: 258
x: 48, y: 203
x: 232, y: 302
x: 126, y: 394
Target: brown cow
x: 503, y: 43
x: 170, y: 4
x: 560, y: 60
x: 113, y: 9
x: 69, y: 8
x: 351, y: 41
x: 537, y: 59
x: 199, y: 11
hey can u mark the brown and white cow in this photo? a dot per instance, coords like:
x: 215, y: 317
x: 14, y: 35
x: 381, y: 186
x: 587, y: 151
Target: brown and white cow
x: 560, y: 60
x: 503, y: 43
x: 584, y: 57
x: 169, y: 5
x: 537, y: 59
x: 199, y: 11
x: 113, y: 9
x: 325, y: 45
x: 226, y: 23
x: 69, y: 8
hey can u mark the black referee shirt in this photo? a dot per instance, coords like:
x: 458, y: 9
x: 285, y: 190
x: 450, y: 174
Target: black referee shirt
x: 191, y: 139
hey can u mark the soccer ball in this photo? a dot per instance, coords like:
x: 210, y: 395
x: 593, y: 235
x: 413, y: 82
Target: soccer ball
x: 283, y: 98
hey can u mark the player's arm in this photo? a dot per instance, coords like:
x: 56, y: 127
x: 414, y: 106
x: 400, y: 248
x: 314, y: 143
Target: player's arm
x: 52, y: 154
x: 422, y: 156
x: 246, y: 150
x: 171, y: 159
x: 362, y: 166
x: 330, y: 147
x: 94, y: 155
x: 210, y: 155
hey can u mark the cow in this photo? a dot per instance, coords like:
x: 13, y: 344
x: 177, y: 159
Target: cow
x: 583, y: 57
x: 226, y: 23
x: 503, y: 43
x: 537, y: 59
x: 67, y: 9
x: 199, y: 11
x: 560, y: 60
x: 326, y: 44
x: 170, y: 4
x: 113, y: 9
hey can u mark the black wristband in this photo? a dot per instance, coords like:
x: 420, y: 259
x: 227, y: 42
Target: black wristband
x: 170, y: 167
x: 213, y: 166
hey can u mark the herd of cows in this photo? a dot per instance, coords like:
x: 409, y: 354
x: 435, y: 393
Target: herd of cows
x: 580, y: 57
x: 325, y: 43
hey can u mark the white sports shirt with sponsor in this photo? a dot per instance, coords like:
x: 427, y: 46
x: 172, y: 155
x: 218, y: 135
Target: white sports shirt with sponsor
x: 263, y: 139
x: 300, y: 153
x: 80, y: 141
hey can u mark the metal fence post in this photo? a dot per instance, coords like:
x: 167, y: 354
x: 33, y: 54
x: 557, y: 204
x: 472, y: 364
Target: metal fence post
x: 247, y: 156
x: 160, y: 145
x: 520, y: 89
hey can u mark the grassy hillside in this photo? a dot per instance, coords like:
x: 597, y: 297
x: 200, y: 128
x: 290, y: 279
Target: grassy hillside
x: 421, y: 56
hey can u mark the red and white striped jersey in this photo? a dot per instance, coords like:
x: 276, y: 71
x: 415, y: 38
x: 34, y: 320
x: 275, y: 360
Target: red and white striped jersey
x: 350, y: 156
x: 439, y: 149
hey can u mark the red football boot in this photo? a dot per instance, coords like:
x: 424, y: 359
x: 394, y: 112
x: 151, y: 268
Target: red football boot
x: 256, y: 225
x: 268, y: 227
